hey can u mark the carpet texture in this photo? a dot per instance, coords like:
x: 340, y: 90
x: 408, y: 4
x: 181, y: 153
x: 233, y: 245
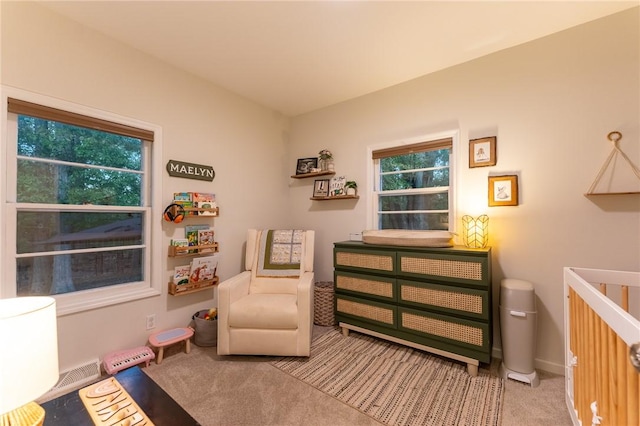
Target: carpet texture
x: 397, y: 385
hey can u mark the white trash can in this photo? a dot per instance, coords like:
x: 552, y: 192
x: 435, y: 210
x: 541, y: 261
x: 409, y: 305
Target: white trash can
x: 518, y: 324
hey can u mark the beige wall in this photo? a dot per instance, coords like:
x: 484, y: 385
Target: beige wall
x: 551, y: 104
x: 246, y: 145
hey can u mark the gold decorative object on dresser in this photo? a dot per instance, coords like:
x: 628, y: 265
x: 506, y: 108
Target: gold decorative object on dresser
x: 433, y: 299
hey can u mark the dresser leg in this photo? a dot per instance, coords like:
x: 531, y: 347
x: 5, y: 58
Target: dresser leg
x: 472, y: 370
x: 345, y: 331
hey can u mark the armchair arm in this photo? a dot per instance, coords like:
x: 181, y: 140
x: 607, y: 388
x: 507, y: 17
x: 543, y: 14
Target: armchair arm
x: 229, y: 291
x: 235, y: 287
x: 305, y: 311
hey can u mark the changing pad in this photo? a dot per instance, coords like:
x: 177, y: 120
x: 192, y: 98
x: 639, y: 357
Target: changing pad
x: 403, y: 237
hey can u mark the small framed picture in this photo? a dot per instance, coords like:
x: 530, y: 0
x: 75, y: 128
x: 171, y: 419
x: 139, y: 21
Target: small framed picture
x: 503, y: 190
x: 306, y: 165
x: 336, y: 186
x: 321, y: 188
x: 482, y: 152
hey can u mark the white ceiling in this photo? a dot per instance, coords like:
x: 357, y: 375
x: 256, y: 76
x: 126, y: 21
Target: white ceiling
x: 299, y: 56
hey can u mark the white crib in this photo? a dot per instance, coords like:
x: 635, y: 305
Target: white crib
x: 602, y: 337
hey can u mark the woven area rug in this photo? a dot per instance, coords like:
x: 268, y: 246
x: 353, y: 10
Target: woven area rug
x: 397, y: 385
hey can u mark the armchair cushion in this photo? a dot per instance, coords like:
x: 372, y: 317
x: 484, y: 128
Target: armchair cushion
x: 265, y: 311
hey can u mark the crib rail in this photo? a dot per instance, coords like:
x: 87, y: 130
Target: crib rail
x: 602, y: 384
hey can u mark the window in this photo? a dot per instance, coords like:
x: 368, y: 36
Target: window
x: 412, y: 185
x: 78, y: 205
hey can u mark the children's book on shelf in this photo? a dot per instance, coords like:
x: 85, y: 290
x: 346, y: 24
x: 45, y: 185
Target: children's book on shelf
x: 181, y: 274
x: 191, y: 233
x: 203, y: 268
x: 205, y: 238
x: 182, y: 196
x: 204, y: 200
x: 179, y: 243
x: 187, y: 205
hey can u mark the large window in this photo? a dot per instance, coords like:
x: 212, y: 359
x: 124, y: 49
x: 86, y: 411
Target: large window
x: 412, y: 185
x: 78, y: 197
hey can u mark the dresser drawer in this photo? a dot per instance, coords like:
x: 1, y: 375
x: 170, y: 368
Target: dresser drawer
x: 374, y: 261
x: 468, y: 270
x: 383, y: 288
x: 469, y: 302
x: 458, y: 331
x: 366, y: 310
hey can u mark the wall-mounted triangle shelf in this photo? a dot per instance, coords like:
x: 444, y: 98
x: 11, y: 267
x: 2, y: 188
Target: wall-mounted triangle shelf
x: 607, y: 179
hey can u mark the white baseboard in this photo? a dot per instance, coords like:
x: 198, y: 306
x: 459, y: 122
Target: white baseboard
x: 540, y: 364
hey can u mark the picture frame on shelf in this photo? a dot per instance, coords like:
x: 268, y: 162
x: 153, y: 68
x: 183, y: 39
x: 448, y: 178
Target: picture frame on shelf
x: 321, y: 188
x: 482, y: 152
x: 336, y: 186
x: 306, y: 165
x: 503, y: 190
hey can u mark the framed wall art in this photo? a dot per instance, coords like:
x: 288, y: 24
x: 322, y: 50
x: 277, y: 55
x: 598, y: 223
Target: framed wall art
x: 503, y: 190
x: 482, y: 152
x: 321, y: 188
x: 336, y: 186
x: 306, y: 165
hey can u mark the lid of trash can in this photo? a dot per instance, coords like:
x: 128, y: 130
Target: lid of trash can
x: 517, y: 294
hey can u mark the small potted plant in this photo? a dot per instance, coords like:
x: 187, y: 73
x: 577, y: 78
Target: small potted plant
x: 352, y: 187
x: 326, y: 160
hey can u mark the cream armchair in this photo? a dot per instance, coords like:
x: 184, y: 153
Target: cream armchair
x: 268, y: 308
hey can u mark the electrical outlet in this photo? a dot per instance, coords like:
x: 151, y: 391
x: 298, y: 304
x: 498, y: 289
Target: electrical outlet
x: 151, y: 321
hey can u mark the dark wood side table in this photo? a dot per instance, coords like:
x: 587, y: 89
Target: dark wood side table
x: 69, y: 410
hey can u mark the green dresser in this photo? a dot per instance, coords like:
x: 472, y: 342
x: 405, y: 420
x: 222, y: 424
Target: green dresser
x: 433, y: 299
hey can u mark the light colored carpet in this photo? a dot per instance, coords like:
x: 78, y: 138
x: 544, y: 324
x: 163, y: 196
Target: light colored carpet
x: 395, y: 384
x: 249, y: 390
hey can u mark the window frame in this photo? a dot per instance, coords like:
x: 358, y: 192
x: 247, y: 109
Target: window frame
x: 373, y: 176
x: 85, y: 300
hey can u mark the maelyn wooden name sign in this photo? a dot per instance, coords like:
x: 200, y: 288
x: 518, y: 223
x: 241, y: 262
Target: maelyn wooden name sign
x: 190, y: 170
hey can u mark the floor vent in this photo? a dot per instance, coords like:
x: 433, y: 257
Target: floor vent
x: 73, y: 379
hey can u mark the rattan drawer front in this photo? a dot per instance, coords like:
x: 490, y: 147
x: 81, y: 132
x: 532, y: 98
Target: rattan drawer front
x: 379, y: 261
x: 450, y: 299
x: 372, y: 312
x: 458, y: 331
x: 470, y: 270
x: 377, y: 287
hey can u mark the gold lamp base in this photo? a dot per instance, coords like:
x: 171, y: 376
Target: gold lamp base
x: 30, y: 414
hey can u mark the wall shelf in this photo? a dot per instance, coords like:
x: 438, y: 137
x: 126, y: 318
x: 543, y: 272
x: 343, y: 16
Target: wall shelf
x: 209, y: 212
x: 182, y: 289
x: 314, y: 174
x: 187, y: 251
x: 614, y: 138
x: 336, y: 197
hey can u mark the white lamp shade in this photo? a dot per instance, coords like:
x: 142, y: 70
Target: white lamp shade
x: 29, y: 352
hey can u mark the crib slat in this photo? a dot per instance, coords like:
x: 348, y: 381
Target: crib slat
x: 591, y: 393
x: 633, y: 404
x: 603, y: 288
x: 583, y: 361
x: 621, y: 382
x: 604, y: 361
x: 625, y: 298
x: 611, y: 377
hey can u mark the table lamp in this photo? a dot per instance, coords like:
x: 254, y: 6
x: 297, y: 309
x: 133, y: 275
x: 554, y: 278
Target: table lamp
x: 28, y: 358
x: 475, y: 231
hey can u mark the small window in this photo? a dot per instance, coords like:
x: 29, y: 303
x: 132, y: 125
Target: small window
x: 80, y: 200
x: 412, y: 185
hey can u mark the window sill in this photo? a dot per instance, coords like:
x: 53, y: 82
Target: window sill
x: 99, y: 298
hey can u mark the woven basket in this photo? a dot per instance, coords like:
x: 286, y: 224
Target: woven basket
x: 323, y: 295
